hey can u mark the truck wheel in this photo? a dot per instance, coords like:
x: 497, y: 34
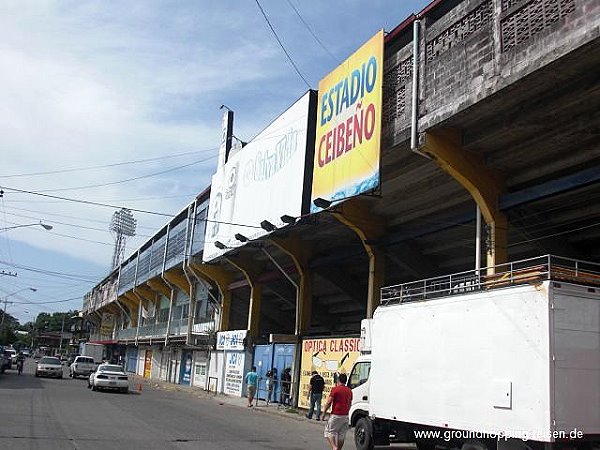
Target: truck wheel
x: 363, y: 434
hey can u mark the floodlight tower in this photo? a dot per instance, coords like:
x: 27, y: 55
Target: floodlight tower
x: 122, y: 225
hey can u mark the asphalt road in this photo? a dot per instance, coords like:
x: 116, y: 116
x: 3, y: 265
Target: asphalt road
x: 55, y: 414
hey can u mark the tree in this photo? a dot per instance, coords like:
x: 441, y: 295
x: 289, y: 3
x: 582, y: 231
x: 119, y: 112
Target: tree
x: 7, y: 334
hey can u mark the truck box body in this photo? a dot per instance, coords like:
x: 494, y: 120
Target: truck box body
x: 523, y: 361
x: 92, y: 350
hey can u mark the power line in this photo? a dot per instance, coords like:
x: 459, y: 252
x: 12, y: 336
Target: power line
x: 310, y: 30
x: 49, y: 301
x: 65, y: 275
x: 83, y: 227
x: 85, y: 202
x: 127, y: 180
x: 281, y: 45
x: 106, y: 205
x: 85, y: 219
x: 104, y: 166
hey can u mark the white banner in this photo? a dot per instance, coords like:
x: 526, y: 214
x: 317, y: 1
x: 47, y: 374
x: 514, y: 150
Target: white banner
x: 231, y: 340
x: 263, y: 181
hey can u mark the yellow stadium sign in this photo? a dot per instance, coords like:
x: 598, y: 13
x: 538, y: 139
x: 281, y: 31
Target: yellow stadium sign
x: 348, y: 131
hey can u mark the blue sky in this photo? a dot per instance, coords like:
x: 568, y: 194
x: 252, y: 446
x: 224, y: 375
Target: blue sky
x: 87, y: 84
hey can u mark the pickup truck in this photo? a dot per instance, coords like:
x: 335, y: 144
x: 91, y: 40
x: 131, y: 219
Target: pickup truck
x: 82, y: 366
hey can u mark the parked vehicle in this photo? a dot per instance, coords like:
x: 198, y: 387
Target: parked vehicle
x: 4, y: 360
x: 109, y: 376
x: 12, y: 354
x: 49, y: 366
x: 82, y: 366
x: 483, y: 361
x: 95, y: 351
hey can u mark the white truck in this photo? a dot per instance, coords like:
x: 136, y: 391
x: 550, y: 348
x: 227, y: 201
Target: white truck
x: 95, y: 351
x: 475, y: 362
x: 82, y: 366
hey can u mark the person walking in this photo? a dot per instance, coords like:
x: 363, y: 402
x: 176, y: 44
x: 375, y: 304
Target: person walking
x: 315, y: 394
x: 340, y: 399
x: 251, y: 379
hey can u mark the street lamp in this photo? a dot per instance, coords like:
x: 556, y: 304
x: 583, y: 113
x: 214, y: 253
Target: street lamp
x: 40, y: 223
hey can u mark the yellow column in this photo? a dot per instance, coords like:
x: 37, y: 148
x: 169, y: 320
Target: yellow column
x: 485, y: 186
x: 131, y: 302
x: 300, y: 252
x: 356, y: 215
x: 251, y: 270
x: 222, y: 278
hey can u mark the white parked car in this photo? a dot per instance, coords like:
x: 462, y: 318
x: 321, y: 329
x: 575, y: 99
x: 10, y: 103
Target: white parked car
x: 109, y: 376
x: 49, y: 366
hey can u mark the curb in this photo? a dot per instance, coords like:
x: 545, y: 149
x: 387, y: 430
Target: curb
x: 221, y: 399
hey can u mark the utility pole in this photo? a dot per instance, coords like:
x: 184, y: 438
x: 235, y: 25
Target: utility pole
x: 62, y: 331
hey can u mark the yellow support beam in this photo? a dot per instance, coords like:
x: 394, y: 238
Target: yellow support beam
x: 444, y: 146
x: 178, y: 280
x: 145, y: 293
x: 300, y: 252
x: 357, y: 216
x: 132, y: 303
x: 222, y: 278
x: 157, y: 285
x: 249, y: 267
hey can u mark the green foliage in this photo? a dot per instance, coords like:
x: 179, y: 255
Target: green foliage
x: 54, y: 321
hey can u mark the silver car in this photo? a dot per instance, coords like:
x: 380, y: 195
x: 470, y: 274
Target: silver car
x: 49, y: 366
x: 109, y: 376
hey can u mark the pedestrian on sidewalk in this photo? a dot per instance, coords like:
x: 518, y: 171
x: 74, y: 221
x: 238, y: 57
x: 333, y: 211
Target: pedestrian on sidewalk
x: 251, y: 380
x: 340, y: 399
x: 270, y: 385
x: 286, y: 382
x: 315, y: 394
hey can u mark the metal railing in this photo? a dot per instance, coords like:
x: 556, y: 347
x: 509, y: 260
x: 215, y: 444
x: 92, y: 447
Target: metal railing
x: 525, y: 271
x: 284, y: 397
x: 127, y: 334
x: 155, y: 330
x: 178, y: 327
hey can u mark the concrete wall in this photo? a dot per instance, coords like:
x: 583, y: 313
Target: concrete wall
x: 472, y: 49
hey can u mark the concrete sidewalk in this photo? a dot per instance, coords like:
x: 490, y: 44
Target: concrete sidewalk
x: 140, y: 384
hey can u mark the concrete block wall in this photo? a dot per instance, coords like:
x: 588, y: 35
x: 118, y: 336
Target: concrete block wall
x: 475, y: 48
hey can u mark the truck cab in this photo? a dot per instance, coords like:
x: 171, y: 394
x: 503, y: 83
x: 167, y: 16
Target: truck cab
x: 359, y: 411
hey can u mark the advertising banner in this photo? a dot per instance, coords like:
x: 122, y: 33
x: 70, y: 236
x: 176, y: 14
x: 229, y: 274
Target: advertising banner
x: 234, y: 373
x: 108, y: 324
x: 186, y: 369
x: 231, y: 340
x: 262, y: 181
x: 329, y: 357
x: 348, y: 135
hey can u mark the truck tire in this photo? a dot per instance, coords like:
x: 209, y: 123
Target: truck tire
x: 363, y: 434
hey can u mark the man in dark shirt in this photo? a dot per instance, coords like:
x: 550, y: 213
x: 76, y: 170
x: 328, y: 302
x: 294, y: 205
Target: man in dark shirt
x: 315, y: 394
x: 340, y: 398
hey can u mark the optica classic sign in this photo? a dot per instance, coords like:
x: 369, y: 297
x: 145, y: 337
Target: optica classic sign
x: 348, y: 131
x: 329, y: 357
